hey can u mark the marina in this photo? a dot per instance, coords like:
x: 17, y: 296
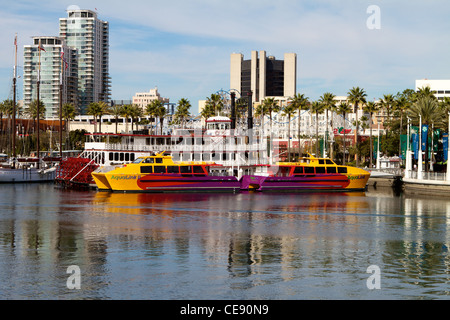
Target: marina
x: 242, y: 246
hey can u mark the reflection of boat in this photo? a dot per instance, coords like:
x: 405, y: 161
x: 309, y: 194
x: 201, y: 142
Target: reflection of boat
x: 159, y: 173
x: 309, y: 174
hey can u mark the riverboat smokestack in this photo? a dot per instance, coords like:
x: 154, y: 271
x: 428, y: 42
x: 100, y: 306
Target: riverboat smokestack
x: 233, y: 110
x: 250, y: 118
x: 250, y: 111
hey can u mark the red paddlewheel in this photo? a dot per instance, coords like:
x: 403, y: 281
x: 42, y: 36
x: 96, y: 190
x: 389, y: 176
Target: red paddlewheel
x: 76, y: 170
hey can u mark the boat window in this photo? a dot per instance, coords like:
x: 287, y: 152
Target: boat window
x: 132, y: 156
x: 328, y: 161
x: 309, y: 170
x: 320, y: 169
x: 173, y: 169
x: 342, y: 169
x: 159, y: 169
x: 198, y: 169
x: 298, y: 170
x: 111, y: 156
x: 321, y: 161
x: 158, y: 160
x: 127, y: 157
x: 146, y: 169
x: 116, y: 156
x: 138, y: 160
x: 149, y: 160
x: 331, y: 169
x: 185, y: 169
x: 122, y: 158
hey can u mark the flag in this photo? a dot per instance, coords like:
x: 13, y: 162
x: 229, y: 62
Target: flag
x: 15, y: 40
x: 40, y: 46
x: 64, y: 59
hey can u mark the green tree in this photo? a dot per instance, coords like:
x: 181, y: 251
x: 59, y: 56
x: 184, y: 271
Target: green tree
x: 126, y: 112
x: 329, y: 104
x: 161, y: 113
x: 300, y: 102
x: 215, y: 103
x: 288, y: 111
x: 316, y: 108
x: 427, y: 109
x: 116, y: 111
x: 182, y: 112
x: 344, y: 108
x: 151, y: 110
x: 371, y: 108
x: 356, y: 96
x: 32, y: 111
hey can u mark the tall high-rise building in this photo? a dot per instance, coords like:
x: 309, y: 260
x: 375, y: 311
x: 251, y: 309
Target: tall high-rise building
x: 51, y: 65
x: 264, y: 75
x: 83, y: 31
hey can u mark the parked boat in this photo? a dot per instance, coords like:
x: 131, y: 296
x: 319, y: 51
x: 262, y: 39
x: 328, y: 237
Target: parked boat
x: 159, y: 173
x: 309, y: 174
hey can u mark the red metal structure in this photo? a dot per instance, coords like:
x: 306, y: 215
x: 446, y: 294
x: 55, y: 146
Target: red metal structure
x: 76, y: 172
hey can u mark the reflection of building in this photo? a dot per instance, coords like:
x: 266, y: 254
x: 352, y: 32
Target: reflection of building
x: 51, y: 65
x: 264, y: 76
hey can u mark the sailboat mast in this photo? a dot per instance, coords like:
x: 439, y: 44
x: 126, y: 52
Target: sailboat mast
x: 14, y: 100
x: 37, y: 100
x: 61, y: 103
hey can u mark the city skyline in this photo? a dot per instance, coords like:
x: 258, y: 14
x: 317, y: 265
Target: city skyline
x: 183, y: 48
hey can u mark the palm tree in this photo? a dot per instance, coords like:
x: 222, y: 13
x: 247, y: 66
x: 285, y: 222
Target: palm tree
x: 356, y: 96
x: 371, y: 108
x: 344, y: 108
x: 328, y: 102
x: 216, y: 103
x: 387, y: 103
x: 32, y: 111
x: 2, y: 112
x: 182, y: 111
x: 151, y: 110
x: 207, y: 111
x: 126, y: 112
x: 103, y: 110
x: 288, y: 111
x: 300, y: 101
x: 427, y: 108
x: 68, y: 113
x: 94, y: 109
x: 401, y: 103
x: 116, y: 111
x: 316, y: 108
x: 161, y: 112
x: 136, y: 113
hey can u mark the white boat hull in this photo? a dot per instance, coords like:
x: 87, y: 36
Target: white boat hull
x: 26, y: 175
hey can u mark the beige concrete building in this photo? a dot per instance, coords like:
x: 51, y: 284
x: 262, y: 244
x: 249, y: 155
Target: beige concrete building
x: 142, y: 99
x: 264, y: 75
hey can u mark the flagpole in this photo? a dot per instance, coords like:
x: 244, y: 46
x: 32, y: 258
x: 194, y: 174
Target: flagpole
x: 60, y: 103
x: 14, y: 102
x: 38, y: 102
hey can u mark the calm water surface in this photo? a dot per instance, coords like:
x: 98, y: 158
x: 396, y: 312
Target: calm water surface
x: 222, y: 246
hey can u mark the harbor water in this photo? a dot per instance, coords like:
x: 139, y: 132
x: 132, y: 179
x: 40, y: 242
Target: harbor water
x: 67, y: 244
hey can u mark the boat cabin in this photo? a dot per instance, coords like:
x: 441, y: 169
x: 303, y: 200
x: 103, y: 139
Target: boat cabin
x: 307, y: 166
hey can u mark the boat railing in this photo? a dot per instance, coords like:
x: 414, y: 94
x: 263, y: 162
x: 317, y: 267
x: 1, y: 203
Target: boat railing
x: 435, y: 176
x: 179, y: 148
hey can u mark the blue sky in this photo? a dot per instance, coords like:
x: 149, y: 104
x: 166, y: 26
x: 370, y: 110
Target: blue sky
x: 184, y: 47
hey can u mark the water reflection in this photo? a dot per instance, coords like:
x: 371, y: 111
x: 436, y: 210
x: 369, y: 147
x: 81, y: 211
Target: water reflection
x: 221, y: 246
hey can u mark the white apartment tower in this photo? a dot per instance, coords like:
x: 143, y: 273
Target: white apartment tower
x: 51, y: 65
x: 264, y: 75
x: 83, y: 31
